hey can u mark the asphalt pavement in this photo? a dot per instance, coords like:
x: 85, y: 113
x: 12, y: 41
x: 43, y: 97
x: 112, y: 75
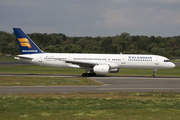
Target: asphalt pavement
x: 111, y: 84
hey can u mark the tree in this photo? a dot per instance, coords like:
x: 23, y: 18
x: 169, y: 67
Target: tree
x: 58, y: 40
x: 154, y: 50
x: 161, y: 51
x: 106, y: 41
x: 64, y: 37
x: 135, y: 38
x: 75, y: 39
x: 125, y: 36
x: 152, y: 39
x: 172, y: 42
x: 165, y: 46
x: 158, y: 51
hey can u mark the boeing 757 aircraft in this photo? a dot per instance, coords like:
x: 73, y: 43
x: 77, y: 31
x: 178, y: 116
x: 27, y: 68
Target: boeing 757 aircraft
x: 92, y: 63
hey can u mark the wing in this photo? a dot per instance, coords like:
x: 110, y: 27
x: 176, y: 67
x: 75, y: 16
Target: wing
x: 91, y: 64
x: 81, y: 63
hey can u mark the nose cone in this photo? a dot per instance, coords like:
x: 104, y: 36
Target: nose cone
x: 172, y: 65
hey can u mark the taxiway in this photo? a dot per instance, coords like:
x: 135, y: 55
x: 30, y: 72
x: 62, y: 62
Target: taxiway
x: 111, y: 84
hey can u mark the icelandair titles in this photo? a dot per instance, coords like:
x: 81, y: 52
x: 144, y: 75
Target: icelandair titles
x: 139, y: 57
x: 29, y: 50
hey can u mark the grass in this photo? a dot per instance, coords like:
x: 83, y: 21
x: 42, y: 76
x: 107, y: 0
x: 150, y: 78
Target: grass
x: 45, y: 81
x: 175, y: 60
x: 32, y: 69
x: 80, y: 106
x: 175, y: 72
x: 99, y: 106
x: 8, y: 59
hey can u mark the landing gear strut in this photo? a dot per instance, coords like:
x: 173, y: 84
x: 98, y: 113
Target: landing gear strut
x: 154, y: 72
x: 87, y: 74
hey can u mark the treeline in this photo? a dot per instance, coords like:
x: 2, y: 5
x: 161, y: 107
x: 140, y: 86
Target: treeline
x: 124, y: 43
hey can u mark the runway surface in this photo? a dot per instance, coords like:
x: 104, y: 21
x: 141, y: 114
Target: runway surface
x: 111, y: 84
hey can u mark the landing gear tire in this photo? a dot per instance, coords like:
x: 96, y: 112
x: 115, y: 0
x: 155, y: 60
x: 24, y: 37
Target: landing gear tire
x: 93, y: 74
x: 84, y: 75
x: 153, y: 76
x: 88, y: 74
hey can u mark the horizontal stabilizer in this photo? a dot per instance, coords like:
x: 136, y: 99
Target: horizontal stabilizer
x: 23, y: 57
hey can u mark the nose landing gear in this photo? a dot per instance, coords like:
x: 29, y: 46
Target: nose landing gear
x: 154, y: 72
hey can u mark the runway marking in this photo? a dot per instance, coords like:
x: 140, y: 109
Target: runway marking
x: 136, y: 88
x: 134, y: 78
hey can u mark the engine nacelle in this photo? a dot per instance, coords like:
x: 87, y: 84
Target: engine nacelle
x: 102, y: 69
x: 114, y: 70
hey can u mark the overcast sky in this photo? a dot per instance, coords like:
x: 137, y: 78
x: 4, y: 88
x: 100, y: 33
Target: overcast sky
x: 92, y: 17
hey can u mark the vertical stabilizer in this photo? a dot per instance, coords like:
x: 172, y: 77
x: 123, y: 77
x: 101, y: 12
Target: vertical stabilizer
x: 26, y: 45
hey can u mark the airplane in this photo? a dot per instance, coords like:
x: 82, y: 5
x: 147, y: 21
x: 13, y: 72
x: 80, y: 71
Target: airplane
x: 92, y: 63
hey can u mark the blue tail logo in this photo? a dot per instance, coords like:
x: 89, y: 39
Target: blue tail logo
x: 26, y: 45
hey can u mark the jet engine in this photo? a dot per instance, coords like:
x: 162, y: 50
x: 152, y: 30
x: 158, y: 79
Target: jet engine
x: 102, y: 69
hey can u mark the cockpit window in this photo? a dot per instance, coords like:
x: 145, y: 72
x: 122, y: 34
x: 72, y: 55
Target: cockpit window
x: 167, y: 61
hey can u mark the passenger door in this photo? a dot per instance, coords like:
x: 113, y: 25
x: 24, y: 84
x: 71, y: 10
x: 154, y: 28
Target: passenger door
x: 40, y: 58
x: 157, y: 61
x: 123, y: 60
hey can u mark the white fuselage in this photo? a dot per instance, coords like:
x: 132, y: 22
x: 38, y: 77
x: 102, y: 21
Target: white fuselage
x: 115, y: 61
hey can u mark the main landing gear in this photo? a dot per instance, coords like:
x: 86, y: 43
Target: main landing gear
x: 88, y: 74
x: 154, y: 72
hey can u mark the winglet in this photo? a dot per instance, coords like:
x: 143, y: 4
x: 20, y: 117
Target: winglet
x: 26, y: 45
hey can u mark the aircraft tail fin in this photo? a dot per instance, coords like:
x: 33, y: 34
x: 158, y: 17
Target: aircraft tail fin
x: 26, y: 45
